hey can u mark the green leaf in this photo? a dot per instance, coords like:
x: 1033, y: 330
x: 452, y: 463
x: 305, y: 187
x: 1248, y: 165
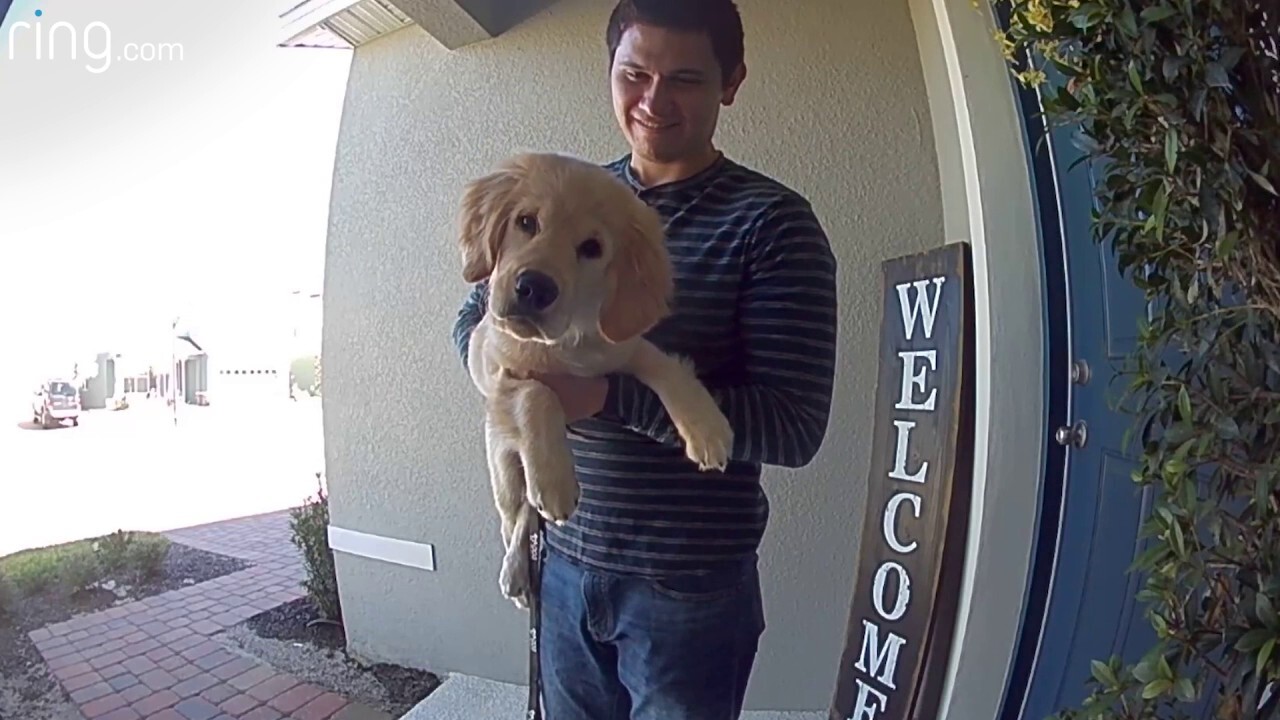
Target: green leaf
x: 1231, y: 56
x: 1266, y: 611
x: 1264, y: 655
x: 1161, y: 627
x: 1185, y: 690
x: 1216, y: 75
x: 1103, y: 674
x: 1127, y: 21
x: 1158, y: 210
x: 1227, y: 427
x: 1253, y: 640
x: 1184, y: 403
x: 1170, y: 149
x: 1144, y: 672
x: 1157, y: 13
x: 1179, y: 540
x: 1262, y: 181
x: 1135, y: 79
x: 1086, y: 16
x: 1156, y: 688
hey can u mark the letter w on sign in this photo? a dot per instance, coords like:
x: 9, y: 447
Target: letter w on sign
x: 911, y: 557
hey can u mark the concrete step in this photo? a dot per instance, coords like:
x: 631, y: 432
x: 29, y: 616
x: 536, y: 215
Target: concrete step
x: 463, y: 697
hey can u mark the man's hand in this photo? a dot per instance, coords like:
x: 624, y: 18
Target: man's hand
x: 581, y: 397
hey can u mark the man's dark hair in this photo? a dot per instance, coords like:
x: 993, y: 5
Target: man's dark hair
x: 717, y: 19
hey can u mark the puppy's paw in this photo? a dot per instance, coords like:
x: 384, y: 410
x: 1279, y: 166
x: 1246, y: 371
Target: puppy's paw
x: 513, y: 581
x: 555, y: 501
x: 708, y: 438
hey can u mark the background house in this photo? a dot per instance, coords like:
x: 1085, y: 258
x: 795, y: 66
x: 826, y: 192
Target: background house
x: 898, y: 121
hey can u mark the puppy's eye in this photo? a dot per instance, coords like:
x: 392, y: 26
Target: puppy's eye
x: 589, y: 249
x: 527, y: 223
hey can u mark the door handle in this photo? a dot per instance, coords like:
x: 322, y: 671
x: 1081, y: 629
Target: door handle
x: 1076, y: 434
x: 1080, y: 372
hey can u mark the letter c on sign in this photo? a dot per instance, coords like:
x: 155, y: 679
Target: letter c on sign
x: 904, y: 591
x: 890, y: 527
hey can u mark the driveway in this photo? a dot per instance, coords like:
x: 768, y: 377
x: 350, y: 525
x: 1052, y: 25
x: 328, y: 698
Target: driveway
x: 135, y: 469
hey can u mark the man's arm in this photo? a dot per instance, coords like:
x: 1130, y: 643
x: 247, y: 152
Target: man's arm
x: 788, y: 312
x: 469, y: 316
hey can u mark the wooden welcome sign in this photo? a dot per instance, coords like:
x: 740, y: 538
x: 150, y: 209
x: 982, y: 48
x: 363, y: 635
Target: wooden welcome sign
x: 912, y: 552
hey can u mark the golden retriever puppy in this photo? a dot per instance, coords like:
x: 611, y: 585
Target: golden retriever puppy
x: 578, y: 271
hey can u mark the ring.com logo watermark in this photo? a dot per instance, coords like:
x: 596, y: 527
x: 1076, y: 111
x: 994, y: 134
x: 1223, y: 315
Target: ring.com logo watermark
x: 61, y: 40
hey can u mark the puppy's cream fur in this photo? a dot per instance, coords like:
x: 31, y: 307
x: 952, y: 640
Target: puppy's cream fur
x: 604, y: 248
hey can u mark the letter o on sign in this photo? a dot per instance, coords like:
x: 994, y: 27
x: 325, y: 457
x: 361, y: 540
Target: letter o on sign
x: 904, y: 591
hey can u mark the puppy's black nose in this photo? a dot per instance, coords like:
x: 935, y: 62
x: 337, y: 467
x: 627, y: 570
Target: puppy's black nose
x: 535, y: 291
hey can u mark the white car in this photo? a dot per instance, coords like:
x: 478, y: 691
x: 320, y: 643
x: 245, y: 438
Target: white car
x: 55, y: 402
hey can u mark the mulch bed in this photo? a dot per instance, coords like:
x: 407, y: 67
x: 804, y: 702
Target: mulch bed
x: 26, y: 681
x: 293, y: 622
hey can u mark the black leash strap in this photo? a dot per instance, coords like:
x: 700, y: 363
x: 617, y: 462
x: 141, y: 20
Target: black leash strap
x: 535, y: 622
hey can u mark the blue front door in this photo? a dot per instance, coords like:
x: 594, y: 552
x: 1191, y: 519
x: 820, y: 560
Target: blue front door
x: 1091, y: 612
x: 1082, y: 604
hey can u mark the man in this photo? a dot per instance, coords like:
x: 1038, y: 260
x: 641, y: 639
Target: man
x: 651, y: 603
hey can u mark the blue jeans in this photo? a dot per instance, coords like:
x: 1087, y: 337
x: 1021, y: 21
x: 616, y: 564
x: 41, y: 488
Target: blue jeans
x: 616, y: 647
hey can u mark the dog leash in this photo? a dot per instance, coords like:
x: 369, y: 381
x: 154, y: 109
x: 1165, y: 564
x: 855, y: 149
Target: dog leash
x: 535, y: 621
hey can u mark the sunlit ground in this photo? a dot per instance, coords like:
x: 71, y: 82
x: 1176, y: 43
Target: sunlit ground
x: 135, y: 469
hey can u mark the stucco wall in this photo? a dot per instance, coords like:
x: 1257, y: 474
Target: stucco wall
x: 834, y: 105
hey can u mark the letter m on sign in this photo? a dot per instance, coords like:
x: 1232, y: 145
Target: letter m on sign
x: 880, y: 663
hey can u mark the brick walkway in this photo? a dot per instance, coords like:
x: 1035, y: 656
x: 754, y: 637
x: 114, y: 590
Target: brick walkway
x: 153, y: 659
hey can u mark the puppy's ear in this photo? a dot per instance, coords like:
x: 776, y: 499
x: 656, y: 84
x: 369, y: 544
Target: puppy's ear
x: 640, y: 278
x: 485, y: 212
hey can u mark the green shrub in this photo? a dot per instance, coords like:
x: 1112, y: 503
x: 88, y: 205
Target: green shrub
x: 113, y: 550
x: 32, y: 572
x: 1178, y: 105
x: 144, y: 557
x: 8, y: 596
x: 78, y: 567
x: 310, y: 526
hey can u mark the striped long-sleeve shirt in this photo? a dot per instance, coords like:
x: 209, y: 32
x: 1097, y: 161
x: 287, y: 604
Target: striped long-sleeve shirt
x: 755, y: 309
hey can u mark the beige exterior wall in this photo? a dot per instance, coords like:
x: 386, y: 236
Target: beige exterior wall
x: 836, y: 105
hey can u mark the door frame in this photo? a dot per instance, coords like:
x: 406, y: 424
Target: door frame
x: 1051, y: 242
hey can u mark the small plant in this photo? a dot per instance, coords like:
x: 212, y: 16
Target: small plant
x: 113, y: 550
x: 33, y: 572
x: 8, y: 596
x: 144, y: 557
x: 310, y: 526
x: 78, y: 568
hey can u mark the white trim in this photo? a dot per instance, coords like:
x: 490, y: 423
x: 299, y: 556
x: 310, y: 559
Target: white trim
x: 379, y: 547
x: 985, y: 179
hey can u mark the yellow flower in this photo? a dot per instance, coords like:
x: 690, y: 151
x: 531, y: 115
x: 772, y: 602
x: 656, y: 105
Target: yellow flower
x: 1037, y: 13
x: 1006, y: 45
x: 1032, y: 78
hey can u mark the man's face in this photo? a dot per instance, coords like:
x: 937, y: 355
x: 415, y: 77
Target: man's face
x: 667, y: 92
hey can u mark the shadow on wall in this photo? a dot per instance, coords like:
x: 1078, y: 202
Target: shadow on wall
x: 499, y: 17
